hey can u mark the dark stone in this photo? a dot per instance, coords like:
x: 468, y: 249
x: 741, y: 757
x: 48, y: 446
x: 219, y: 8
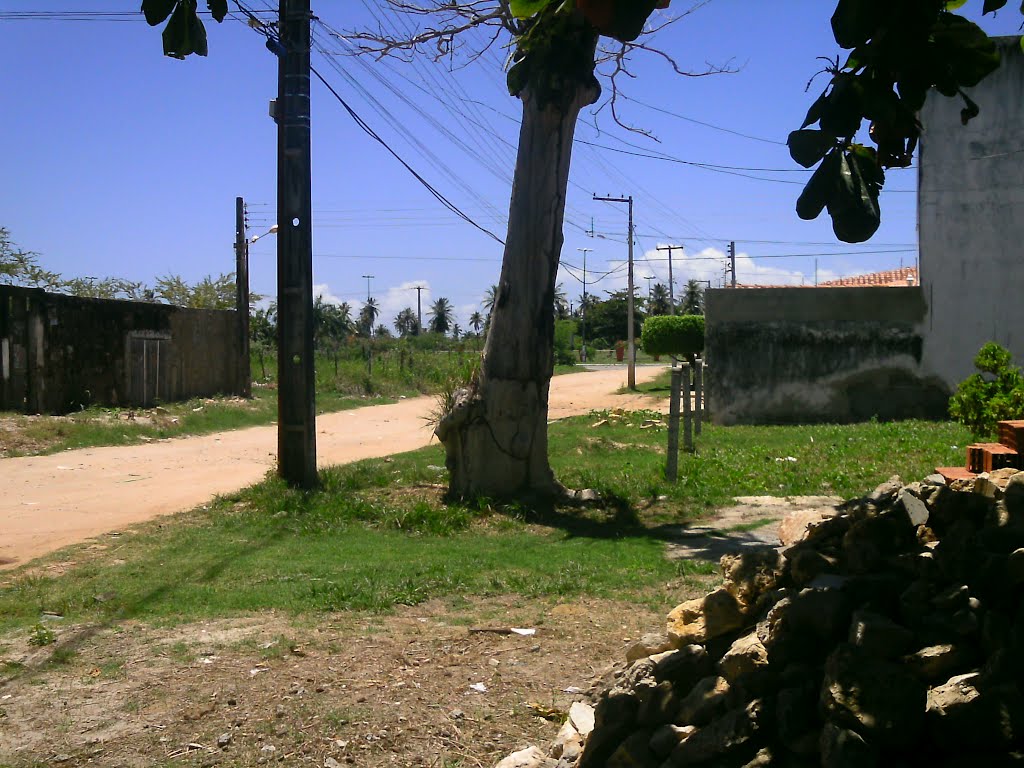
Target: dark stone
x: 614, y: 720
x: 880, y: 700
x: 937, y: 663
x: 707, y: 700
x: 843, y: 748
x: 796, y: 718
x: 804, y: 626
x: 964, y: 713
x: 682, y: 667
x: 879, y: 635
x: 634, y: 752
x: 729, y: 740
x: 659, y: 706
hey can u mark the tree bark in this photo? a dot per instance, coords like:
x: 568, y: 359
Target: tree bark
x: 495, y: 434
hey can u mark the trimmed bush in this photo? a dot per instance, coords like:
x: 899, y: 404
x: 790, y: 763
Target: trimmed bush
x: 992, y: 395
x: 676, y: 335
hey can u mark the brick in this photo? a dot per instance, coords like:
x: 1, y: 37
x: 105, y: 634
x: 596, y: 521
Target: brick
x: 1011, y: 434
x: 949, y: 474
x: 985, y: 457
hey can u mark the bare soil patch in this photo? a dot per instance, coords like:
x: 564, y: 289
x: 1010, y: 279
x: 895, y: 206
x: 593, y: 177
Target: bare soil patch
x: 417, y: 688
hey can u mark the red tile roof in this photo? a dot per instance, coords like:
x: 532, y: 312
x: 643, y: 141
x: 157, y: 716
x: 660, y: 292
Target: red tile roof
x: 890, y: 278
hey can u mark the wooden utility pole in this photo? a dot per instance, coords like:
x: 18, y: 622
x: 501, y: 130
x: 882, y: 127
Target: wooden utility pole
x: 630, y: 341
x: 732, y: 261
x: 296, y: 425
x: 583, y: 306
x: 671, y: 287
x: 419, y: 308
x: 242, y: 298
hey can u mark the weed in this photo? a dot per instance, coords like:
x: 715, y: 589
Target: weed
x: 41, y: 635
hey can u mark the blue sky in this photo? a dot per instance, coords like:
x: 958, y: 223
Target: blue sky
x: 120, y: 162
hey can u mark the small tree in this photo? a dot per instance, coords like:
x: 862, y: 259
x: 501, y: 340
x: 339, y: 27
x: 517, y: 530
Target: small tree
x: 992, y: 395
x: 675, y: 335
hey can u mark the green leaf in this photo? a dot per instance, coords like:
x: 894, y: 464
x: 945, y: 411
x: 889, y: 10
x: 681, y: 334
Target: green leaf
x: 843, y: 109
x: 952, y: 5
x: 963, y: 48
x: 814, y: 113
x: 157, y: 10
x: 855, y: 21
x: 991, y: 6
x: 219, y: 9
x: 807, y: 147
x: 819, y: 189
x: 524, y: 9
x: 184, y: 33
x: 853, y: 205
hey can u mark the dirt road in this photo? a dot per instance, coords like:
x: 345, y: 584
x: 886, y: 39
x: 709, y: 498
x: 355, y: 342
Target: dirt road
x: 51, y: 501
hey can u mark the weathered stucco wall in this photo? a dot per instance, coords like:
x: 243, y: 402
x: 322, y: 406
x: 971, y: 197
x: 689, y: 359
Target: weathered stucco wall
x: 971, y: 196
x: 58, y: 353
x: 797, y: 355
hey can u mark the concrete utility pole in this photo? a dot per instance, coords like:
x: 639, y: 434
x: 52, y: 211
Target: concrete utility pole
x: 368, y: 278
x: 671, y: 288
x: 631, y: 364
x: 296, y: 430
x: 583, y: 306
x: 419, y: 308
x: 650, y: 295
x: 242, y: 298
x: 732, y: 261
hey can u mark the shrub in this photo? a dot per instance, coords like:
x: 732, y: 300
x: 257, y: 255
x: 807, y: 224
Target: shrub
x: 993, y: 394
x: 676, y: 335
x: 565, y: 333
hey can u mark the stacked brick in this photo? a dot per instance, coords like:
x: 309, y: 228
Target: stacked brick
x: 988, y: 457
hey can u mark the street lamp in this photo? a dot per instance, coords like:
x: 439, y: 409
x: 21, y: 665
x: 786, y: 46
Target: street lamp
x: 271, y: 231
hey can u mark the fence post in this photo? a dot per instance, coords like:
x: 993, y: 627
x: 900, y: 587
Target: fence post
x: 687, y: 410
x: 672, y: 461
x: 698, y: 395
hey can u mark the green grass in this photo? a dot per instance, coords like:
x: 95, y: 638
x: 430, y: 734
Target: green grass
x: 380, y: 535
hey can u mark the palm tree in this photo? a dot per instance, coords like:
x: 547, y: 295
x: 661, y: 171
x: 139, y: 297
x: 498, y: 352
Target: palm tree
x: 456, y: 331
x: 659, y: 300
x: 368, y: 316
x: 405, y: 322
x: 476, y: 322
x: 440, y: 315
x: 489, y: 298
x: 561, y: 303
x: 693, y: 298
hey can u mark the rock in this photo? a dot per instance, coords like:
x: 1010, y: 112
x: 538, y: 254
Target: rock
x: 582, y: 717
x: 729, y: 737
x: 745, y: 658
x: 804, y: 564
x: 667, y: 737
x: 961, y: 715
x: 796, y: 525
x: 567, y: 741
x: 224, y: 740
x: 1015, y: 568
x: 697, y: 621
x: 796, y: 710
x: 804, y: 625
x: 648, y: 645
x: 659, y: 706
x: 751, y: 573
x: 527, y: 758
x: 614, y: 720
x: 708, y: 699
x: 915, y: 509
x: 843, y: 748
x: 879, y: 635
x: 682, y: 667
x: 634, y: 752
x: 938, y: 662
x: 330, y: 762
x: 878, y: 699
x: 886, y: 493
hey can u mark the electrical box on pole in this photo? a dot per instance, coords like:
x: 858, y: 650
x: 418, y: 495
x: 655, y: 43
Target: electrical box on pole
x: 296, y: 426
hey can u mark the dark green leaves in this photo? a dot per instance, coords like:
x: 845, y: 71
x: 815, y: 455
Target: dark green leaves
x: 855, y: 21
x: 964, y: 48
x: 184, y: 33
x: 847, y: 183
x: 991, y: 6
x: 218, y: 9
x: 157, y: 10
x: 808, y: 147
x: 524, y: 9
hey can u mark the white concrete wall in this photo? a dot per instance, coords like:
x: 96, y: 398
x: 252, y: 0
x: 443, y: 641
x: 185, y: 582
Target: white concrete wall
x: 971, y: 222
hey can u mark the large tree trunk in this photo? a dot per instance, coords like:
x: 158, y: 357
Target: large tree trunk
x: 495, y: 434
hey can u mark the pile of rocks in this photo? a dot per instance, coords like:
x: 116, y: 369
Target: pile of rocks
x: 891, y: 634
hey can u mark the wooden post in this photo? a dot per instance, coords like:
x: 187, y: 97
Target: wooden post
x: 242, y: 298
x: 672, y: 461
x: 687, y: 411
x: 698, y: 395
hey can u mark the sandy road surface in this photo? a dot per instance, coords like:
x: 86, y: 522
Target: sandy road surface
x: 48, y: 502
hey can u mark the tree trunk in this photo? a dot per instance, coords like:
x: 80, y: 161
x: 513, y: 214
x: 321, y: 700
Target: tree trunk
x: 495, y: 434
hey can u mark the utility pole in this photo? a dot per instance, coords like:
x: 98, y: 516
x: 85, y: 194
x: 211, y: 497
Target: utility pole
x: 242, y: 298
x: 631, y: 365
x: 368, y: 278
x: 583, y: 306
x: 419, y: 308
x: 732, y: 261
x: 671, y: 288
x: 296, y: 430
